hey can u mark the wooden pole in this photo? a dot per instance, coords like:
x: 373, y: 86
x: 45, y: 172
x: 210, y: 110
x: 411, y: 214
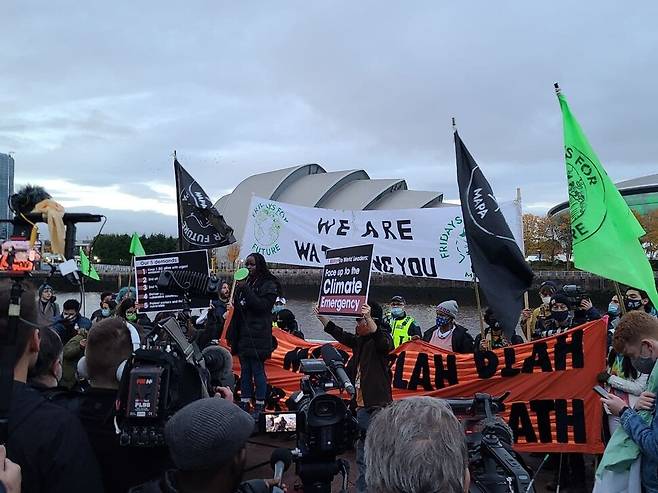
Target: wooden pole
x: 479, y: 306
x: 622, y: 306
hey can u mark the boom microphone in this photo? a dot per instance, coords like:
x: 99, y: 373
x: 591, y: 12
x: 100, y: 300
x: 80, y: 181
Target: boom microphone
x: 280, y: 461
x: 334, y: 360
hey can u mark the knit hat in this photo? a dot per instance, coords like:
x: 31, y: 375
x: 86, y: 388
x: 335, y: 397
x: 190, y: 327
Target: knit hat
x: 207, y: 433
x: 561, y: 298
x: 398, y: 299
x: 449, y: 308
x: 43, y: 287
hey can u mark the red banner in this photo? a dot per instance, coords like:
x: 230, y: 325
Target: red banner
x: 551, y: 407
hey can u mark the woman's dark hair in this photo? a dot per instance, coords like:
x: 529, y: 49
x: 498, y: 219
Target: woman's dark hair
x: 262, y: 272
x: 124, y: 306
x: 376, y: 310
x: 627, y: 368
x: 50, y: 349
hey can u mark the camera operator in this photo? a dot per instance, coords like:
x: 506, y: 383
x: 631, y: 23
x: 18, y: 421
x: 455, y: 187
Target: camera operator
x: 250, y: 333
x: 207, y: 441
x: 110, y: 343
x: 47, y: 442
x: 416, y: 445
x: 368, y: 369
x: 46, y: 374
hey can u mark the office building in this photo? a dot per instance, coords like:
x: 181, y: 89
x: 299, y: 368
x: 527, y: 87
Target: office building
x: 6, y: 190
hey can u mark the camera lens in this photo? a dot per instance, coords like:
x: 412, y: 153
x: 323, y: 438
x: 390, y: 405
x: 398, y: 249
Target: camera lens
x: 325, y: 409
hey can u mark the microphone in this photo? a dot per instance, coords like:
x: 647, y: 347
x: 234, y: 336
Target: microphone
x: 280, y: 461
x: 334, y: 360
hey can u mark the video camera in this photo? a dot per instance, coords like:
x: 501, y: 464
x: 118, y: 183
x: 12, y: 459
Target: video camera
x: 494, y: 466
x: 165, y: 374
x: 576, y: 294
x: 324, y: 424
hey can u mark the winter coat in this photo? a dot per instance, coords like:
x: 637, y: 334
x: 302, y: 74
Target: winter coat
x: 370, y: 359
x: 66, y: 331
x: 47, y: 313
x: 462, y: 341
x: 250, y: 333
x: 72, y: 354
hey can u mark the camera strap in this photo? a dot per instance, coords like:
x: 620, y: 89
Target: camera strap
x: 8, y: 358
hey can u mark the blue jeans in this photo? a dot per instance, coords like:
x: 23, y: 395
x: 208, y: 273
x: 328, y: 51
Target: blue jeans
x: 363, y: 416
x: 252, y: 370
x: 646, y: 437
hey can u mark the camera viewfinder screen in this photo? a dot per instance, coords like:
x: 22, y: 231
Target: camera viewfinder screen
x: 280, y: 422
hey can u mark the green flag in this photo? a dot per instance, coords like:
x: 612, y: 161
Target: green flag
x: 136, y: 247
x: 605, y: 232
x: 86, y: 267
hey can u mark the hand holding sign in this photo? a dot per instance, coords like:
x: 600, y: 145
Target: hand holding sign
x: 323, y: 320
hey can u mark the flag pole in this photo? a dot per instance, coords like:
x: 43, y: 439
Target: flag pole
x: 479, y: 306
x: 178, y: 208
x: 526, y: 301
x: 622, y: 306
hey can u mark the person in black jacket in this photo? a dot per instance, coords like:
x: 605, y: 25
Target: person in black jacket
x: 47, y: 442
x: 368, y: 369
x: 498, y: 338
x: 447, y: 334
x: 285, y: 320
x: 250, y: 333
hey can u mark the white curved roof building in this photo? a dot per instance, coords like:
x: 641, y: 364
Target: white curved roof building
x: 311, y: 186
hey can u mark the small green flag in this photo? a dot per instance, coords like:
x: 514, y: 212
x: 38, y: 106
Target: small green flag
x: 86, y: 267
x: 605, y: 232
x: 136, y: 247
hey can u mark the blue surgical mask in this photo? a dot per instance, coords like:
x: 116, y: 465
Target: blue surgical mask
x: 442, y: 321
x: 397, y: 311
x: 613, y: 309
x: 105, y: 312
x: 277, y: 308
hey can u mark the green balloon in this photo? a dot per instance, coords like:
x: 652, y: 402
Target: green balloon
x: 241, y: 274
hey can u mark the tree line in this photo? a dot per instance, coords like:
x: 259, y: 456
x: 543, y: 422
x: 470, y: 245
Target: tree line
x: 115, y: 248
x: 549, y: 238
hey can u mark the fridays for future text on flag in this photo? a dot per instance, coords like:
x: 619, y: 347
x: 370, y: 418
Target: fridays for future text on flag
x: 605, y: 232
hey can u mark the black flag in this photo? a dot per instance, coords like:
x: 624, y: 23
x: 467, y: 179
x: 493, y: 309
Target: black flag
x: 497, y: 260
x: 200, y: 225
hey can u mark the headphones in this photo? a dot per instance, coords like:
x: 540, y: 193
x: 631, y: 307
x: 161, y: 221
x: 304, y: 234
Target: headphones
x: 136, y: 344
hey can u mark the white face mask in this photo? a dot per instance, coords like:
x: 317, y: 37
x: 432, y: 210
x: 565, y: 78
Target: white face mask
x: 545, y: 300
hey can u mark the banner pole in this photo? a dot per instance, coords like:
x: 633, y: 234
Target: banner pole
x: 178, y: 207
x: 479, y: 306
x: 620, y: 298
x: 526, y: 301
x: 130, y: 272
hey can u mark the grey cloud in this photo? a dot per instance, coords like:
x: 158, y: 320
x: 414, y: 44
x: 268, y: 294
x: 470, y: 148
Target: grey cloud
x: 240, y: 88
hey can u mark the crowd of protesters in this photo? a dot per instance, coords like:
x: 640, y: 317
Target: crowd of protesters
x: 62, y: 431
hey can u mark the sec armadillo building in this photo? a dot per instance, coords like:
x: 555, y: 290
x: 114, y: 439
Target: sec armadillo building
x: 310, y: 185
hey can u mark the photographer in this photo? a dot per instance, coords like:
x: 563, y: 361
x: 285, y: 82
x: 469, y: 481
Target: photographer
x: 207, y: 440
x: 416, y: 445
x: 109, y: 343
x: 70, y: 321
x: 368, y: 369
x: 250, y: 333
x: 47, y: 442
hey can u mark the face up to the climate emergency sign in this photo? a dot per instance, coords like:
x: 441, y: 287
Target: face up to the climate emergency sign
x: 551, y: 406
x: 345, y: 281
x: 426, y: 242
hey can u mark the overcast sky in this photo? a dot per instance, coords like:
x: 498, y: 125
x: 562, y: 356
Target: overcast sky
x: 95, y: 96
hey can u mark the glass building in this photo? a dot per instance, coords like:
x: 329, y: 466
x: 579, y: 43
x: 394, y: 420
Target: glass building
x: 641, y: 195
x: 6, y: 190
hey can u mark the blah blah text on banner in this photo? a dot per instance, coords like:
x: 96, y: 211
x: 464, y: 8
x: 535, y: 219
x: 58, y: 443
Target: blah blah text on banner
x: 411, y: 242
x: 551, y: 406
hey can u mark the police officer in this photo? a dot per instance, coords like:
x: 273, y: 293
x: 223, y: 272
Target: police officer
x: 403, y: 327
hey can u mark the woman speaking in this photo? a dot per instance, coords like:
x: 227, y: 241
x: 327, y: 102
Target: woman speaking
x: 250, y: 332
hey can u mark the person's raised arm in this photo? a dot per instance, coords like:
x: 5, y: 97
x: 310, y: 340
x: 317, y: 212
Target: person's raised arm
x: 334, y: 330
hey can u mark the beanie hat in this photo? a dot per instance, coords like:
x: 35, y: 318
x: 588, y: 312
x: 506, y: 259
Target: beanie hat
x: 43, y: 287
x: 449, y: 308
x: 561, y: 298
x: 398, y: 299
x: 207, y: 433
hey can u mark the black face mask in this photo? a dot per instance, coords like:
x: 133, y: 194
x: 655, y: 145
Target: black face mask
x: 632, y: 304
x: 560, y: 316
